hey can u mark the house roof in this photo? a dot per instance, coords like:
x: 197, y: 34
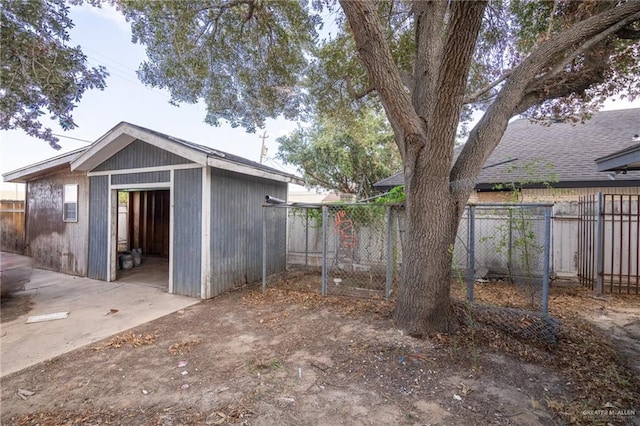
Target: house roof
x: 123, y: 134
x: 621, y: 161
x: 563, y: 153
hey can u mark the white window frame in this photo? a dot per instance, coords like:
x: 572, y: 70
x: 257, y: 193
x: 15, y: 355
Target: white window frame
x: 66, y: 201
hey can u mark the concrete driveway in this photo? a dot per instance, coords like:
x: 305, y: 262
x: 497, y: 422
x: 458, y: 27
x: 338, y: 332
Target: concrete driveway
x: 91, y: 305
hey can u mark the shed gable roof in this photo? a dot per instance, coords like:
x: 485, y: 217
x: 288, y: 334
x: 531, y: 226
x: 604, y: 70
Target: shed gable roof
x: 124, y: 134
x: 570, y: 150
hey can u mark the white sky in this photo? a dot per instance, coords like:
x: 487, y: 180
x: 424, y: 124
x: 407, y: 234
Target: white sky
x: 105, y: 38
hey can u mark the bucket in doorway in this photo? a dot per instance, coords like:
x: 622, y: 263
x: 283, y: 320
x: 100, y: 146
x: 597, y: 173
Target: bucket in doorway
x: 137, y: 256
x: 126, y: 260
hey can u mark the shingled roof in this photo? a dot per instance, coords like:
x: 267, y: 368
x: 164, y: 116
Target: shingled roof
x: 564, y: 151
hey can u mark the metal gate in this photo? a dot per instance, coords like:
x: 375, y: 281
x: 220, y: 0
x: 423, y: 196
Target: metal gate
x: 609, y: 243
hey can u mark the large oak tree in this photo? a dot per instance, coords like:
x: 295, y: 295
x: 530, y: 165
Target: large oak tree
x: 429, y: 63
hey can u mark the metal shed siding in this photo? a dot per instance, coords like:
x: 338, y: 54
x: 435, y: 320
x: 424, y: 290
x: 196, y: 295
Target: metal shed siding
x: 54, y: 244
x: 134, y: 178
x: 139, y: 154
x: 187, y: 231
x: 98, y: 227
x: 236, y: 229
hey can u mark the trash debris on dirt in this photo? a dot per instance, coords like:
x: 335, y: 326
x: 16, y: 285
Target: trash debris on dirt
x: 184, y: 346
x: 24, y: 394
x: 130, y: 338
x: 353, y: 357
x: 145, y: 392
x: 47, y: 317
x: 112, y: 311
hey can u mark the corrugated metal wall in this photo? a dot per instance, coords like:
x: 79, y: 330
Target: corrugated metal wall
x: 140, y: 154
x: 54, y: 244
x: 98, y: 226
x: 133, y: 178
x: 187, y: 232
x: 236, y: 229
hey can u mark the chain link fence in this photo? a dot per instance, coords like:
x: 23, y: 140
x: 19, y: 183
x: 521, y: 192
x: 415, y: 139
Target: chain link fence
x: 506, y: 242
x: 344, y: 249
x: 356, y: 250
x: 510, y: 244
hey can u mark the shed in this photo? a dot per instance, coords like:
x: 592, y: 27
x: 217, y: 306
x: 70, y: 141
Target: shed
x: 196, y: 207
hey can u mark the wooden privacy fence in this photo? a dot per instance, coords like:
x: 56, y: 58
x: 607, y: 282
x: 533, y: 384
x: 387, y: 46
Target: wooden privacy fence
x: 12, y: 235
x: 609, y: 243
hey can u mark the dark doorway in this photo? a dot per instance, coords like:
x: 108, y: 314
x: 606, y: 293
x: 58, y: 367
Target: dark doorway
x: 147, y: 224
x: 148, y: 217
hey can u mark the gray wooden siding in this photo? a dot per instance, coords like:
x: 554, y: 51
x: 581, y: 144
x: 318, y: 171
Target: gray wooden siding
x: 98, y: 227
x: 148, y: 177
x: 187, y: 232
x: 236, y: 229
x: 139, y: 154
x: 54, y: 244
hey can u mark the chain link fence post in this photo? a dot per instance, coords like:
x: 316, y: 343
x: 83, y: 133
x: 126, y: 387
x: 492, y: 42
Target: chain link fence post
x: 389, y: 257
x: 471, y: 256
x: 546, y: 254
x: 325, y: 220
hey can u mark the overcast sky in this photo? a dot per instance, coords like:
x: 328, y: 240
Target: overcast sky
x: 105, y: 38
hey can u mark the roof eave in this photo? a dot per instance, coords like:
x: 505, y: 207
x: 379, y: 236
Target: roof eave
x: 626, y: 159
x: 232, y: 166
x: 490, y: 186
x: 25, y: 174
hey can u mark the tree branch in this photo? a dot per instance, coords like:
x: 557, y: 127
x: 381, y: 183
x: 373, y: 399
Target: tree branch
x: 457, y: 56
x: 322, y: 182
x: 376, y: 55
x: 430, y: 23
x: 475, y: 96
x: 352, y: 91
x: 589, y: 44
x: 486, y: 135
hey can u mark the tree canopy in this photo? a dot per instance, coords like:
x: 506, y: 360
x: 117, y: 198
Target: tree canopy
x: 244, y: 59
x: 429, y: 64
x: 40, y: 72
x: 347, y: 156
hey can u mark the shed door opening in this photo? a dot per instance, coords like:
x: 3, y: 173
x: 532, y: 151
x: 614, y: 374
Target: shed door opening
x: 143, y: 230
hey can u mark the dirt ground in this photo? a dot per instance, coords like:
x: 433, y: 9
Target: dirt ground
x: 291, y: 357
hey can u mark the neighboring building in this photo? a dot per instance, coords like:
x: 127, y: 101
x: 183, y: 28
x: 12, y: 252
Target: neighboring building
x: 307, y: 197
x: 198, y: 207
x: 622, y: 161
x: 563, y: 155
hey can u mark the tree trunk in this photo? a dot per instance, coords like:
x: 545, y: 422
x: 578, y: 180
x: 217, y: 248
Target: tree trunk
x: 423, y: 305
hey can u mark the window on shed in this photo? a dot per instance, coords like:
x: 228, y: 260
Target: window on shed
x: 70, y: 203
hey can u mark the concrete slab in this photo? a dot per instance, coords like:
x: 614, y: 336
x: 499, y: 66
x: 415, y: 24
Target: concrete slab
x: 89, y: 303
